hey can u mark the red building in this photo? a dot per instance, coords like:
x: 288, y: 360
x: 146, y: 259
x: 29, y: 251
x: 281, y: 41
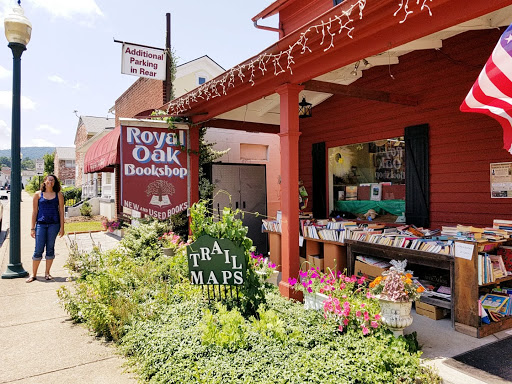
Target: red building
x: 424, y: 59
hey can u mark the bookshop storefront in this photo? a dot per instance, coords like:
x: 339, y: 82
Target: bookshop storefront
x: 391, y: 146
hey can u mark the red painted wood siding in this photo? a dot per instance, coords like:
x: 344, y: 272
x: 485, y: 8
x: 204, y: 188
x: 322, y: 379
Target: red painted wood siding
x: 300, y: 12
x: 462, y: 145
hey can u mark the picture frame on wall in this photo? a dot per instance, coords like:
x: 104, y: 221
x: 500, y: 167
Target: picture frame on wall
x: 376, y: 192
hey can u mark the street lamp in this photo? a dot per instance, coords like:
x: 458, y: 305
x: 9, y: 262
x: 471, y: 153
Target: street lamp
x: 17, y: 32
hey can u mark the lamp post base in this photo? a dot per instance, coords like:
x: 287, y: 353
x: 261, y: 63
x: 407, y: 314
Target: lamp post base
x: 14, y: 271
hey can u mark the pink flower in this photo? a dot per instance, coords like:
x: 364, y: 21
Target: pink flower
x: 366, y: 316
x: 374, y: 324
x: 309, y: 290
x: 363, y: 305
x: 377, y: 317
x: 340, y: 328
x: 361, y: 280
x: 358, y: 313
x: 365, y: 330
x: 303, y: 274
x: 271, y: 265
x: 292, y: 281
x: 345, y: 321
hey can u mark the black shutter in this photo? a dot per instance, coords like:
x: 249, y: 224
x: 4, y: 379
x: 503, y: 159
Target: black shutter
x: 417, y: 191
x: 319, y: 200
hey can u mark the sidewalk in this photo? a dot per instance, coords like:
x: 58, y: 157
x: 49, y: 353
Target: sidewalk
x: 40, y: 344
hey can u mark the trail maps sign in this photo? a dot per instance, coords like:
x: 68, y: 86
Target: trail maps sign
x: 216, y: 262
x: 154, y: 170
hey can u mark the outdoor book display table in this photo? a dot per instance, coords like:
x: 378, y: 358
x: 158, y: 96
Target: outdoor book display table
x: 429, y: 259
x: 465, y: 291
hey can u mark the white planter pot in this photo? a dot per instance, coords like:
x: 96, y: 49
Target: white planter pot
x: 314, y: 301
x: 396, y: 315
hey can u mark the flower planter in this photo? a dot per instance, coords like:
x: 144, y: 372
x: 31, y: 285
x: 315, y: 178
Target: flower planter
x: 314, y: 301
x: 274, y: 278
x: 118, y: 232
x: 168, y: 251
x: 396, y: 315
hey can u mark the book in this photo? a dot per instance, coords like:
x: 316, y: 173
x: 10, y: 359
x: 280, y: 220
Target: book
x: 506, y: 254
x: 351, y: 192
x: 493, y: 302
x: 376, y: 192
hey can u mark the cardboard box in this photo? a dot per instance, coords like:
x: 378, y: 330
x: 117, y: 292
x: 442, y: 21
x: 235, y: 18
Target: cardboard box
x: 431, y: 311
x: 316, y: 261
x: 302, y: 260
x: 367, y: 270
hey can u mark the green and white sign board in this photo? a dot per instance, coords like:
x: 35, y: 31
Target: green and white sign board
x: 216, y: 262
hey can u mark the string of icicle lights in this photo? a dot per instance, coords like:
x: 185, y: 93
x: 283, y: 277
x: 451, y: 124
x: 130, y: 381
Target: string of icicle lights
x: 246, y: 72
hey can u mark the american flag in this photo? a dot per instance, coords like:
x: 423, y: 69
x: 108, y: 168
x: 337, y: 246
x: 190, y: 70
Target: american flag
x: 492, y: 92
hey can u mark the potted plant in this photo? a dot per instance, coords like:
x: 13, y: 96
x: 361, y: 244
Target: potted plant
x: 396, y: 290
x: 345, y: 301
x: 170, y: 243
x: 111, y: 225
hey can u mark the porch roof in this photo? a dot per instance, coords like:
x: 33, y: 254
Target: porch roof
x: 103, y: 154
x: 231, y: 97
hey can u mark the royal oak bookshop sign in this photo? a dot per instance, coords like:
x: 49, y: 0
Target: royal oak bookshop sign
x: 154, y: 171
x: 143, y: 61
x: 216, y: 262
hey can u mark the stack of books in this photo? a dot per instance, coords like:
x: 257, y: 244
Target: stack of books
x: 490, y: 268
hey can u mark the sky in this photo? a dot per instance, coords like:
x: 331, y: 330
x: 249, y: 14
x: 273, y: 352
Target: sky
x: 72, y: 66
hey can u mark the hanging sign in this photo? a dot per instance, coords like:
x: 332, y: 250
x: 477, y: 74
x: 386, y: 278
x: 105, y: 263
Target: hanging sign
x: 143, y: 61
x: 216, y: 262
x: 501, y: 180
x: 154, y: 170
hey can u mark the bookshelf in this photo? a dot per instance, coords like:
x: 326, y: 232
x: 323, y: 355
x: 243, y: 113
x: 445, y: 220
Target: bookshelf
x: 467, y: 291
x: 429, y: 259
x: 334, y: 253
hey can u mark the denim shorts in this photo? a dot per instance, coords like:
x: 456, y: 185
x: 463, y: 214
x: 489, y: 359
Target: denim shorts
x: 45, y: 238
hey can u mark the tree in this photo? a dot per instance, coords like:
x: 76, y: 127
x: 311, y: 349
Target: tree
x: 5, y: 161
x: 28, y: 163
x: 49, y: 167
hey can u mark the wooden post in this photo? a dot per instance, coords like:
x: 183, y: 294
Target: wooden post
x: 289, y: 134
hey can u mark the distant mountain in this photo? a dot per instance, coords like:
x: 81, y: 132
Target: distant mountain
x: 33, y: 153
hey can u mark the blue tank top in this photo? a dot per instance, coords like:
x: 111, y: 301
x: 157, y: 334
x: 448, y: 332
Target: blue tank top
x: 48, y: 211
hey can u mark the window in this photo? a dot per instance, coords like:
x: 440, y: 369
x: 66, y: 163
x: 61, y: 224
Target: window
x: 70, y: 163
x: 69, y: 182
x: 368, y: 172
x: 336, y: 2
x: 107, y: 178
x: 201, y: 80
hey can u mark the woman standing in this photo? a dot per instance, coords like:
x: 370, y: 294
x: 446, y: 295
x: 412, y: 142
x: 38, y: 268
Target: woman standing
x: 47, y: 222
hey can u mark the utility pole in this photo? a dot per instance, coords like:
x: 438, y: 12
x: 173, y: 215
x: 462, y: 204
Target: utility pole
x: 168, y: 78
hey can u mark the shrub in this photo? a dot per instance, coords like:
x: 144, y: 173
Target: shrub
x: 85, y: 209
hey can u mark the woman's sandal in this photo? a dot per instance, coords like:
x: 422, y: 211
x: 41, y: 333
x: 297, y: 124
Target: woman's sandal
x: 31, y: 279
x: 48, y: 277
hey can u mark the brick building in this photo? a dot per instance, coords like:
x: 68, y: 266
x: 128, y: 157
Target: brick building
x: 89, y: 129
x: 64, y: 165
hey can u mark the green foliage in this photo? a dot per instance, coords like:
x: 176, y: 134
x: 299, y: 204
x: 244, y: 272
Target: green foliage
x: 142, y: 241
x: 226, y: 329
x: 34, y: 184
x: 28, y: 163
x: 5, y: 161
x: 49, y: 166
x: 72, y: 193
x: 85, y: 209
x: 170, y: 334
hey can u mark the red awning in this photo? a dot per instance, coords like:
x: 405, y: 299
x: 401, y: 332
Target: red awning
x: 103, y: 153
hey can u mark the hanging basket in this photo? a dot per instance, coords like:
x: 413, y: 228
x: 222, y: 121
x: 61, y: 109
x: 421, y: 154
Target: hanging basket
x: 169, y: 251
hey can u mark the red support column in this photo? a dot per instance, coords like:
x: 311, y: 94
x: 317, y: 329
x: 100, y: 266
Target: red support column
x: 289, y: 133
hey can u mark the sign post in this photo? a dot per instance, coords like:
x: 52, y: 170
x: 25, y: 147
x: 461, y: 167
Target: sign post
x: 39, y: 169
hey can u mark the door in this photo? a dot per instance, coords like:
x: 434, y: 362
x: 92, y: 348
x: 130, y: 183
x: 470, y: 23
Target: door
x: 244, y: 187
